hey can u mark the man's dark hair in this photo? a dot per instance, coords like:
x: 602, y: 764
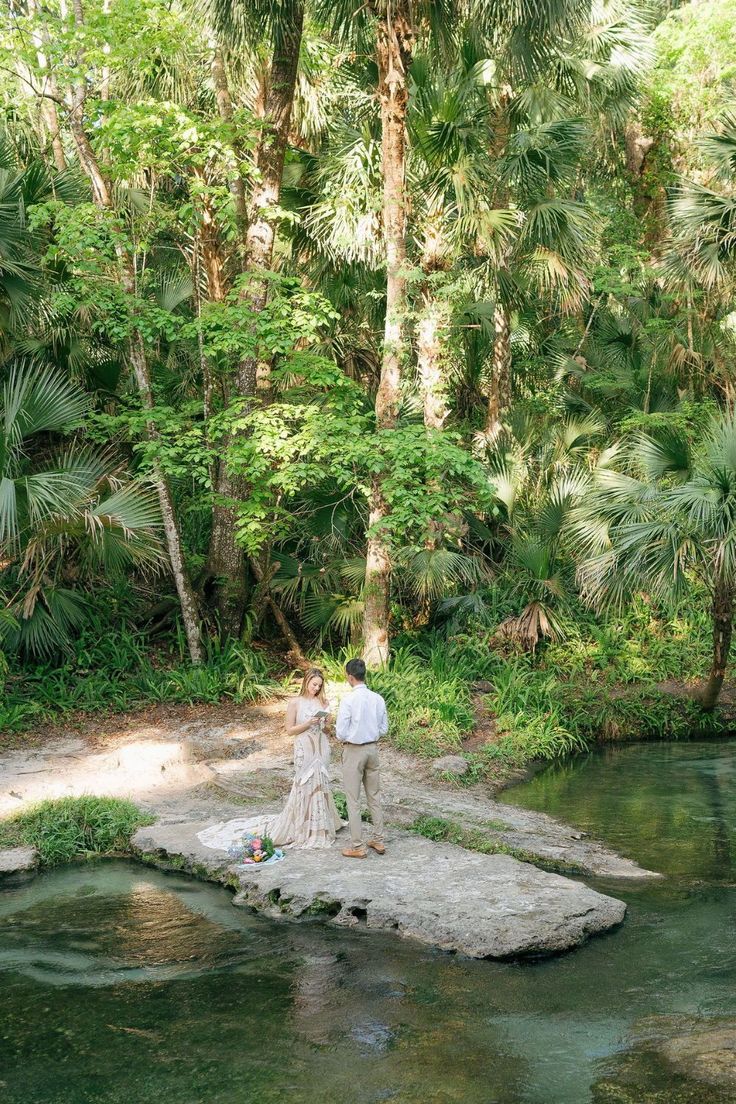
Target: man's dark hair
x: 356, y: 668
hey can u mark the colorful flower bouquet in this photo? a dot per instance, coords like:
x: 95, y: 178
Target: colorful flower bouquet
x: 255, y: 849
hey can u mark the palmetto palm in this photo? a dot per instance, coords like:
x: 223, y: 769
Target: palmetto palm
x: 64, y: 517
x: 22, y: 186
x: 544, y: 120
x: 539, y: 480
x: 665, y: 512
x: 704, y: 220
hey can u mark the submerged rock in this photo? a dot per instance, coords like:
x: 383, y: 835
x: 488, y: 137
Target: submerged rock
x: 677, y: 1059
x: 485, y: 906
x: 17, y: 863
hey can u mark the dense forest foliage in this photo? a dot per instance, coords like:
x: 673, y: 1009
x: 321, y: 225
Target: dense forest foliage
x: 397, y: 328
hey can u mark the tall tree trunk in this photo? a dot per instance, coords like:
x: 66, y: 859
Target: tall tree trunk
x: 499, y: 386
x: 394, y: 45
x: 51, y: 125
x: 252, y: 379
x: 190, y: 613
x: 434, y: 320
x: 137, y: 351
x: 722, y: 613
x: 105, y: 79
x: 225, y: 111
x: 429, y: 361
x: 208, y: 240
x: 227, y: 558
x: 48, y: 94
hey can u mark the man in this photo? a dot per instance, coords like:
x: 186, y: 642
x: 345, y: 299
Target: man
x: 361, y: 721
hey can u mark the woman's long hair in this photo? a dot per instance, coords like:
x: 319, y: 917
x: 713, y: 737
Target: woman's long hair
x: 313, y: 672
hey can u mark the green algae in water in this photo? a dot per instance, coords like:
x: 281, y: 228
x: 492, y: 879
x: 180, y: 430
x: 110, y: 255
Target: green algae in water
x: 122, y: 985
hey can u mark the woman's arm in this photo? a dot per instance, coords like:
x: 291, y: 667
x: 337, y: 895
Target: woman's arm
x: 292, y: 728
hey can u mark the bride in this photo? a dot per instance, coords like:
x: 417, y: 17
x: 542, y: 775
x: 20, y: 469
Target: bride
x: 309, y: 818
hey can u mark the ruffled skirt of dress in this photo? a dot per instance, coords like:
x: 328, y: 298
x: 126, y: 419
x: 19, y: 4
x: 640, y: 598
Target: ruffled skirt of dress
x: 309, y: 819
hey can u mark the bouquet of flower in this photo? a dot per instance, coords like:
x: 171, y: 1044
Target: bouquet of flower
x: 255, y: 849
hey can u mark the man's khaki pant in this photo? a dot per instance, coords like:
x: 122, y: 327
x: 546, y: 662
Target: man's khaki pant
x: 360, y: 765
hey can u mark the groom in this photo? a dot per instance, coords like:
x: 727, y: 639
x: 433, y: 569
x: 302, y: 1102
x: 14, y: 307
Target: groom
x: 361, y: 721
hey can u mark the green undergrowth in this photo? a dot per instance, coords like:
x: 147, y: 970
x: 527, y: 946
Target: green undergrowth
x: 602, y: 681
x: 115, y: 669
x: 428, y: 699
x: 342, y: 807
x: 440, y: 830
x: 74, y: 827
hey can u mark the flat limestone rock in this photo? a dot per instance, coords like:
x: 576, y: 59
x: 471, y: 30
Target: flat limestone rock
x: 485, y: 906
x: 526, y: 829
x: 17, y: 862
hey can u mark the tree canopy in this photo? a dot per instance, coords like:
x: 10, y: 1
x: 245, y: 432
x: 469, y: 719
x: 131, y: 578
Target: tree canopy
x: 351, y: 324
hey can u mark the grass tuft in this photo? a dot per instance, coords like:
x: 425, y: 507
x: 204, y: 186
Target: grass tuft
x: 71, y: 827
x: 440, y: 830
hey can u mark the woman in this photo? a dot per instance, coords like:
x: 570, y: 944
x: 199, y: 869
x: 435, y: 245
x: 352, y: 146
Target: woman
x: 309, y: 818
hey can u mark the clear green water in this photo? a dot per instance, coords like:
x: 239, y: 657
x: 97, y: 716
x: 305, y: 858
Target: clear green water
x: 121, y: 985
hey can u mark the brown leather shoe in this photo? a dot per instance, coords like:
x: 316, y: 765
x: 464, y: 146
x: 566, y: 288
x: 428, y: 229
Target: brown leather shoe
x: 377, y: 847
x: 354, y: 853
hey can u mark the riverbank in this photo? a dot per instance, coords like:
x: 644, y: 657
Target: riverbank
x: 199, y: 762
x: 469, y: 694
x: 188, y: 773
x: 158, y: 974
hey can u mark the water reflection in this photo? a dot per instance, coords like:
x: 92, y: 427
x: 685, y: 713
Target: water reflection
x: 124, y: 986
x: 670, y: 806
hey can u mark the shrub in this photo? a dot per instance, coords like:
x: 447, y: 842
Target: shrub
x: 116, y: 670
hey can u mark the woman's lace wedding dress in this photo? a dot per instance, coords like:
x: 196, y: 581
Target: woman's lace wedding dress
x: 310, y: 817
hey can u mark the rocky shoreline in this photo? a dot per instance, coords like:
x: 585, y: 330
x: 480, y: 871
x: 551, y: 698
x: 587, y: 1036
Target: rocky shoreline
x: 484, y: 906
x: 189, y: 775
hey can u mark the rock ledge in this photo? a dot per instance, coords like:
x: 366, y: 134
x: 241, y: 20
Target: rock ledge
x: 17, y: 863
x: 485, y: 906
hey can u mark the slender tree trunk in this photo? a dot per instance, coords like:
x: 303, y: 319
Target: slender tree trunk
x: 51, y: 124
x: 226, y: 564
x: 499, y: 384
x: 139, y: 362
x: 722, y: 613
x: 49, y: 94
x: 208, y: 387
x: 227, y: 559
x: 434, y: 319
x: 252, y: 378
x: 187, y: 596
x: 429, y: 362
x: 225, y: 111
x: 394, y: 45
x: 210, y: 246
x: 499, y: 387
x: 105, y: 78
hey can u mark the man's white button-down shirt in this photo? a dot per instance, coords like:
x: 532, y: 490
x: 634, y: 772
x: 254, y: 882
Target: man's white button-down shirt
x: 361, y: 717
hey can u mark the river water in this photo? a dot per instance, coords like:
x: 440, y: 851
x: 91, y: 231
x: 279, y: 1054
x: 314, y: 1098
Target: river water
x: 122, y: 985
